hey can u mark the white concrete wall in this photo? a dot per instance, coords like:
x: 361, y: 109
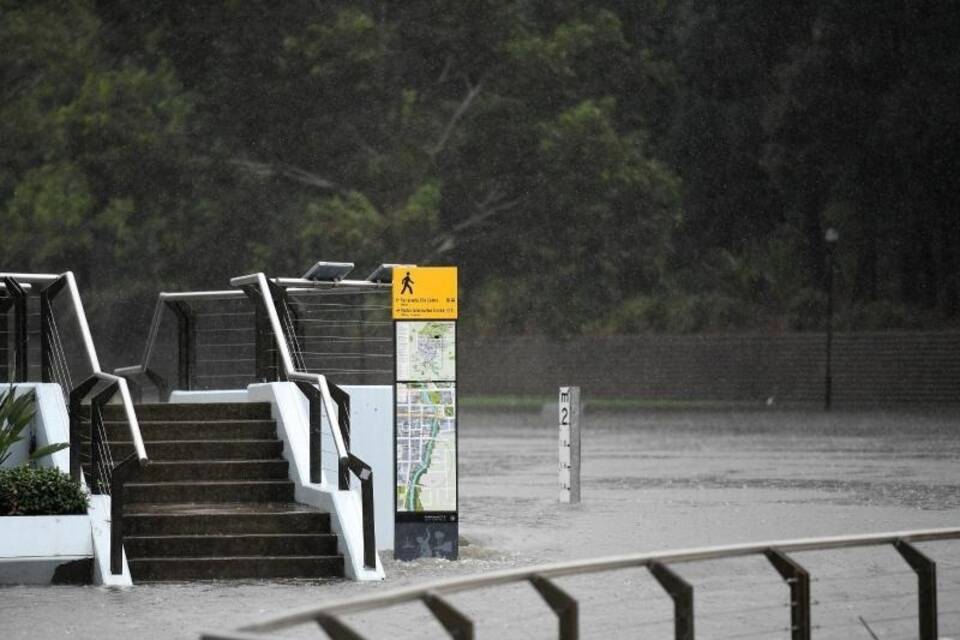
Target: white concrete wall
x: 371, y: 440
x: 33, y: 547
x: 50, y: 424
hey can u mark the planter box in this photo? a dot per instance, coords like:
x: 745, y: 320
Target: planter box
x: 46, y: 550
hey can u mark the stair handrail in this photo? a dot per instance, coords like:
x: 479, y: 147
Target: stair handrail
x: 70, y: 282
x: 164, y: 298
x: 347, y: 460
x: 125, y: 469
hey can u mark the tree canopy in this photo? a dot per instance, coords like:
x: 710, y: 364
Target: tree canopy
x: 602, y: 167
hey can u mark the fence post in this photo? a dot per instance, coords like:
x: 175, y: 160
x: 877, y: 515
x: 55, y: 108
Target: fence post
x: 186, y: 344
x: 459, y: 626
x: 569, y: 418
x: 562, y: 604
x: 926, y: 570
x: 799, y: 580
x: 681, y: 592
x: 5, y: 304
x: 20, y: 331
x: 46, y: 332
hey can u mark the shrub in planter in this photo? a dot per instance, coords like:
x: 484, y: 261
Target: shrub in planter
x: 35, y: 491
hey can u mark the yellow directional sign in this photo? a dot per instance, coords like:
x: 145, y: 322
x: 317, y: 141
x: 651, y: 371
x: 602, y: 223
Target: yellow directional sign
x: 424, y: 293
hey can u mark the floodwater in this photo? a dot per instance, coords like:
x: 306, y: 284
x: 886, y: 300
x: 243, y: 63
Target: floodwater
x: 653, y: 480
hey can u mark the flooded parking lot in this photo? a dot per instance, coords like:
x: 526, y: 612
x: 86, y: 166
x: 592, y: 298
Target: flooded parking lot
x: 652, y: 480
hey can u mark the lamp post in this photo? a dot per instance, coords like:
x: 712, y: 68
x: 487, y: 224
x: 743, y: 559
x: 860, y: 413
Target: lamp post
x: 831, y: 237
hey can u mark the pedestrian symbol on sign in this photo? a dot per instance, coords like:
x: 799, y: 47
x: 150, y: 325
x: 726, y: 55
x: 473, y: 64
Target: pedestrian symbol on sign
x: 407, y: 284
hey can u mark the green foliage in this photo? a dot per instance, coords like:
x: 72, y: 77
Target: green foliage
x: 16, y: 413
x: 36, y: 491
x: 15, y: 416
x: 605, y: 166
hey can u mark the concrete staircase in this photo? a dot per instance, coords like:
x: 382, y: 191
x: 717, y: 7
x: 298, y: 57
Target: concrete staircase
x: 216, y: 502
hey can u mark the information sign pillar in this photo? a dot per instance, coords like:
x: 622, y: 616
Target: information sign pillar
x: 425, y: 413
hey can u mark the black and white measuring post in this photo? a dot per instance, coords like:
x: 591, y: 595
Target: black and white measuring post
x: 569, y: 414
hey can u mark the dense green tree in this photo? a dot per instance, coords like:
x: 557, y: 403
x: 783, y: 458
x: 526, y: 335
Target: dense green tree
x: 604, y: 167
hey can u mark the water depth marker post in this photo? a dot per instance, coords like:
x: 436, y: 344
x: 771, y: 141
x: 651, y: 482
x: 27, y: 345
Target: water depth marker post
x: 569, y: 414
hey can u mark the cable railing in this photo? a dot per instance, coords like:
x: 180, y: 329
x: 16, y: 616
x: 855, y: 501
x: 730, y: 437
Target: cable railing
x: 796, y: 620
x: 213, y: 345
x: 261, y: 339
x: 89, y: 443
x: 344, y: 332
x: 274, y: 312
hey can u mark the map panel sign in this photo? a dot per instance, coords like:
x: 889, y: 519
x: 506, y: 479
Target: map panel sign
x: 426, y: 522
x: 426, y: 351
x: 426, y: 447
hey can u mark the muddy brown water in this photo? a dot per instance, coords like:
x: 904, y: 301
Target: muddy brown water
x: 655, y: 480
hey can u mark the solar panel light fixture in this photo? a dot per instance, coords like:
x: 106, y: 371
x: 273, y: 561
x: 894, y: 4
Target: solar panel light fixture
x: 328, y: 271
x: 384, y: 273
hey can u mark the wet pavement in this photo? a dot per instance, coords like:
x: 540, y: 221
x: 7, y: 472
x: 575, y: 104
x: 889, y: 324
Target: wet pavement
x: 654, y: 480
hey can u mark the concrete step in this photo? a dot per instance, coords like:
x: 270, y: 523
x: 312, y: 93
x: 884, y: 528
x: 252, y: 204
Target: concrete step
x: 214, y: 470
x: 232, y: 568
x: 222, y: 518
x: 194, y: 411
x: 195, y: 430
x: 235, y: 545
x: 171, y: 450
x: 212, y: 491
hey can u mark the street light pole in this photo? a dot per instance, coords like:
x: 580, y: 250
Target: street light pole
x: 831, y: 236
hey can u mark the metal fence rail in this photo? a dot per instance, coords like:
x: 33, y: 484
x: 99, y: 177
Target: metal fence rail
x: 566, y: 608
x: 85, y: 395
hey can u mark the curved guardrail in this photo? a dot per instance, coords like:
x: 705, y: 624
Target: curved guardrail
x: 565, y: 606
x: 99, y: 387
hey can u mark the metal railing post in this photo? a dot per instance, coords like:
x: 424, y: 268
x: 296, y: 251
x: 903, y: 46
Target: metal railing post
x: 342, y: 398
x: 121, y: 473
x: 5, y: 304
x: 336, y: 629
x: 315, y: 435
x: 926, y: 570
x: 562, y: 604
x: 280, y: 305
x: 799, y: 581
x: 163, y: 391
x: 20, y: 330
x: 365, y: 474
x: 264, y: 362
x: 76, y: 407
x: 186, y: 343
x: 458, y: 625
x: 46, y: 328
x: 101, y: 484
x: 681, y: 592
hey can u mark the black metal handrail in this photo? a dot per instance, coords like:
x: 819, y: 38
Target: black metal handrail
x: 268, y: 297
x: 274, y: 331
x: 566, y: 607
x: 99, y: 387
x: 181, y: 305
